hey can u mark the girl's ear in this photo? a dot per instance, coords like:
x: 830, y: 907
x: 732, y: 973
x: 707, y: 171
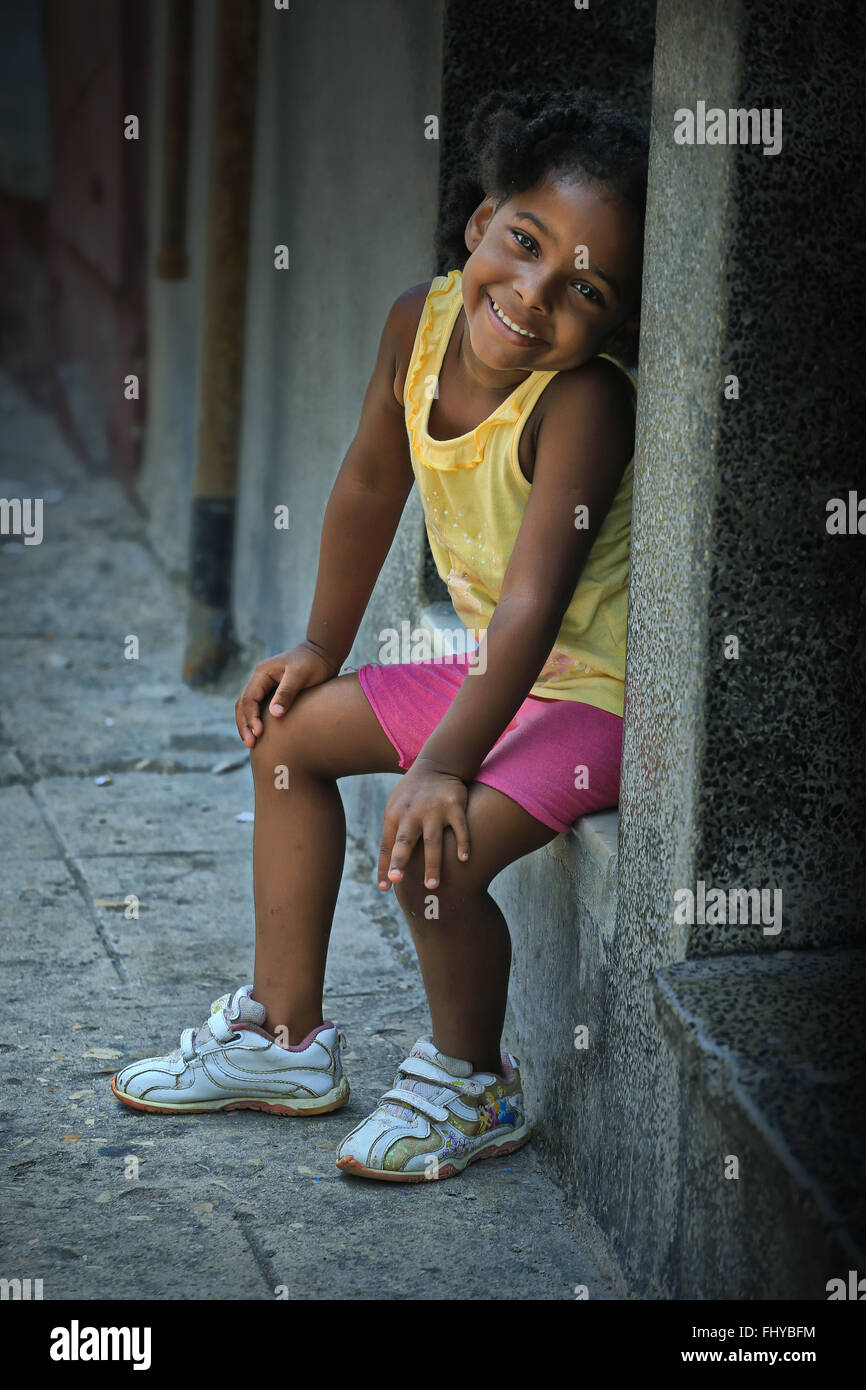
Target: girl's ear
x: 624, y: 338
x: 478, y: 222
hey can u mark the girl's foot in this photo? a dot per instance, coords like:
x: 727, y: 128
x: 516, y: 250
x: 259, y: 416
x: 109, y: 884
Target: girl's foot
x: 439, y: 1117
x: 231, y: 1063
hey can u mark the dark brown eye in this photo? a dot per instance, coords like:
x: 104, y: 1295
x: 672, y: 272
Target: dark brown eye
x: 517, y: 234
x: 593, y: 295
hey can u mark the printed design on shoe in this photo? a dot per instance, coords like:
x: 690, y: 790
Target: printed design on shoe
x: 497, y: 1110
x: 446, y: 1142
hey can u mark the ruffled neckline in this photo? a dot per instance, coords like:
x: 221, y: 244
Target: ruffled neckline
x: 443, y: 304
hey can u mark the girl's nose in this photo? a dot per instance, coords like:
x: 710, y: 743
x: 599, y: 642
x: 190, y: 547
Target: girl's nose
x: 532, y: 296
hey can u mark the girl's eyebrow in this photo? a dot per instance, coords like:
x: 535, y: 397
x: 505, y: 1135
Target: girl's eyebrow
x: 531, y: 217
x: 596, y: 269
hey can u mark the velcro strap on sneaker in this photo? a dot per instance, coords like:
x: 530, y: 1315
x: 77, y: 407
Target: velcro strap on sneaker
x: 221, y: 1030
x: 187, y: 1044
x: 428, y: 1071
x: 416, y: 1102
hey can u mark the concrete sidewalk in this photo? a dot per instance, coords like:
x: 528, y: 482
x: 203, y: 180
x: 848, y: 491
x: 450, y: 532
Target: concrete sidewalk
x: 214, y: 1206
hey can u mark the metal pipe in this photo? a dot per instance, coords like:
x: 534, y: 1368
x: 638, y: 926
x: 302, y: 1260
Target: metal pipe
x: 209, y: 639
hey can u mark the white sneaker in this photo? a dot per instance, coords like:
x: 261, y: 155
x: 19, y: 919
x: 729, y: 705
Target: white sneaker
x: 231, y: 1063
x: 438, y: 1117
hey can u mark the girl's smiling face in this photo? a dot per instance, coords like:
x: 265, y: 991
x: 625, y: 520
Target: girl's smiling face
x: 523, y: 261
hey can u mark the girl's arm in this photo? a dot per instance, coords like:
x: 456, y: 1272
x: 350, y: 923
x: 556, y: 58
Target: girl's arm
x: 585, y: 441
x: 365, y: 504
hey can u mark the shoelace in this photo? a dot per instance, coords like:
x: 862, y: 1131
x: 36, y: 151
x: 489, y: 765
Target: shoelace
x: 423, y: 1070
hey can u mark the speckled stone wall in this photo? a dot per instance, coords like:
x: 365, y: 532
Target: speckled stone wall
x: 745, y: 773
x: 748, y: 772
x: 783, y: 773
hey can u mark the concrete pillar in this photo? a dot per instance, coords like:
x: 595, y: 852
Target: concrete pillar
x: 344, y: 177
x: 746, y: 772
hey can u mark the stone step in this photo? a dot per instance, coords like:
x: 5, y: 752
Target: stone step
x: 772, y: 1094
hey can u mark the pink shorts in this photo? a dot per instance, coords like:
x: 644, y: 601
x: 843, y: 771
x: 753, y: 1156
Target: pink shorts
x: 537, y: 759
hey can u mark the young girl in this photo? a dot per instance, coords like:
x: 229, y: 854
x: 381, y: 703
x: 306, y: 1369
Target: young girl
x: 497, y: 390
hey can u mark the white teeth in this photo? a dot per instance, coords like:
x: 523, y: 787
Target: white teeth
x: 507, y: 320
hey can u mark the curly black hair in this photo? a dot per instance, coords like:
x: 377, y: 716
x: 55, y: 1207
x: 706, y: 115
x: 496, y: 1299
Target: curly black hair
x: 515, y: 139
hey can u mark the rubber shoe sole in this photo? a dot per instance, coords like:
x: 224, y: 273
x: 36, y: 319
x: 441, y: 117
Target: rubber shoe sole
x: 318, y: 1105
x: 450, y: 1169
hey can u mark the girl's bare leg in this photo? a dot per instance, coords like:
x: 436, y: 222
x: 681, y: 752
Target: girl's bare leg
x: 299, y: 840
x: 465, y: 955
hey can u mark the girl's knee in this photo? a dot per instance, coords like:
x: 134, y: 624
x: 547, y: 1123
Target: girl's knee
x: 457, y: 881
x: 281, y: 739
x: 299, y: 740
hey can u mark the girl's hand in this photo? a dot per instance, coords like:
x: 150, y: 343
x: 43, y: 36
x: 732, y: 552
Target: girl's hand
x: 425, y: 802
x: 291, y: 672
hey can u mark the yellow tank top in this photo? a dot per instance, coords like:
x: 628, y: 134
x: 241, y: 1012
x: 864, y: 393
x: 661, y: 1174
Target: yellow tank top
x: 474, y: 496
